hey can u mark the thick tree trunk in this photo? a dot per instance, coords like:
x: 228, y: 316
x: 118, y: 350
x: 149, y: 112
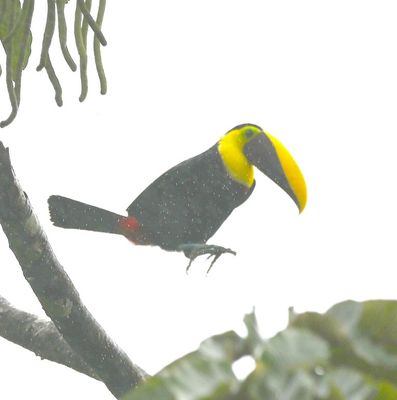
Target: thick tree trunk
x: 55, y: 291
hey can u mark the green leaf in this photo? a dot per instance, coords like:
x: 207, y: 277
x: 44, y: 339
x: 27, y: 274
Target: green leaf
x: 226, y: 347
x: 204, y: 374
x: 379, y: 322
x: 8, y: 10
x: 354, y: 332
x: 254, y: 339
x: 386, y: 391
x: 191, y: 378
x: 295, y: 348
x: 288, y: 368
x: 352, y: 385
x: 339, y: 355
x: 13, y: 29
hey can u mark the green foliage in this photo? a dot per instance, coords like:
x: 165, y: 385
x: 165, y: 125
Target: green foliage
x: 16, y: 37
x: 12, y: 34
x: 348, y: 353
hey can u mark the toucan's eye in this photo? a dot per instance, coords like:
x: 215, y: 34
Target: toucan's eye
x: 249, y: 133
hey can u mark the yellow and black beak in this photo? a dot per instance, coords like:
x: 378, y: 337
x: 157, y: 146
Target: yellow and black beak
x: 270, y: 156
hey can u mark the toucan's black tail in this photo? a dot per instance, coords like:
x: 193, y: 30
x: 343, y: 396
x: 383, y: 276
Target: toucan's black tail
x: 72, y: 214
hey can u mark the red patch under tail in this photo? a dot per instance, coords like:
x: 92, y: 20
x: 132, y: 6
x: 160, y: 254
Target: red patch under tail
x: 130, y: 229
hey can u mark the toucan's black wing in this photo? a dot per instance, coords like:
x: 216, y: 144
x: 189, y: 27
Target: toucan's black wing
x: 188, y: 203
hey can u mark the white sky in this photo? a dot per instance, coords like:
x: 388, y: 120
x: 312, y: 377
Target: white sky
x: 319, y: 75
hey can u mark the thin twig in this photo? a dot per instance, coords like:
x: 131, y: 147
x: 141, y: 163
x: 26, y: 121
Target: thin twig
x: 91, y: 22
x: 97, y: 48
x: 84, y: 25
x: 48, y: 34
x: 82, y: 53
x: 27, y: 12
x: 63, y: 33
x: 54, y: 81
x: 11, y: 94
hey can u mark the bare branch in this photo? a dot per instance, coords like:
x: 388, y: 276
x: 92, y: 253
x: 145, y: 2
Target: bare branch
x: 39, y: 336
x: 55, y: 291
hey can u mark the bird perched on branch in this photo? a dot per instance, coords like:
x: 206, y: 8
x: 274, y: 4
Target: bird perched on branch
x: 186, y: 205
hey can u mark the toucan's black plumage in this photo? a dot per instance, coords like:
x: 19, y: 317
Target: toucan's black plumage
x: 186, y: 205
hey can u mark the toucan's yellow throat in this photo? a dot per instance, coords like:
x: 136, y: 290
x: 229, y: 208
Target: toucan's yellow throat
x: 248, y: 145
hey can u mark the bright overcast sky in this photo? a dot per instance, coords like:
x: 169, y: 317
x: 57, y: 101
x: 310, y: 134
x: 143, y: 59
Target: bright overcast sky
x: 321, y: 76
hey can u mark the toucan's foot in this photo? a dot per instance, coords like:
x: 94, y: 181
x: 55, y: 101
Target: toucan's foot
x: 193, y: 250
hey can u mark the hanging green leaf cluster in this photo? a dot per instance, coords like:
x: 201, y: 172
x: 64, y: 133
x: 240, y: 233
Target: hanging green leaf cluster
x: 348, y: 353
x: 16, y: 37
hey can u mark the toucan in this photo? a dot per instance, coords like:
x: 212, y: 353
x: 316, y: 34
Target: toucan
x: 186, y: 205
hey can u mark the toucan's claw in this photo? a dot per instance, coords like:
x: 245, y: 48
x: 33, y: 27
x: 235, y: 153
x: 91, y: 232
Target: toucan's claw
x: 194, y: 250
x: 213, y: 261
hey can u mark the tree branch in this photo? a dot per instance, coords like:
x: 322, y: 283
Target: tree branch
x: 56, y: 292
x: 39, y: 336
